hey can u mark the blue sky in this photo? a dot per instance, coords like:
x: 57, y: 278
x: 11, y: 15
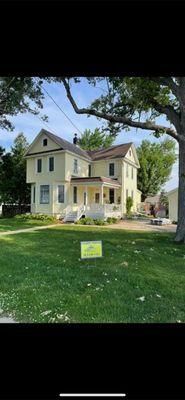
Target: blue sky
x: 84, y: 94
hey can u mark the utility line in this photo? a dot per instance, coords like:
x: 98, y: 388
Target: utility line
x: 62, y: 110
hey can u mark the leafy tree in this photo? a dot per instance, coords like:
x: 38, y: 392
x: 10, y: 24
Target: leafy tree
x: 156, y: 161
x: 93, y: 140
x: 13, y: 186
x: 19, y: 95
x: 137, y: 102
x: 129, y: 204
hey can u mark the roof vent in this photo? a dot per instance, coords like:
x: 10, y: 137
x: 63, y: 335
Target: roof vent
x: 75, y: 139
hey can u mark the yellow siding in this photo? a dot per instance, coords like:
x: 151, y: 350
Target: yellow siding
x: 38, y: 147
x: 130, y: 184
x: 101, y: 168
x: 173, y: 205
x: 69, y: 163
x: 45, y: 175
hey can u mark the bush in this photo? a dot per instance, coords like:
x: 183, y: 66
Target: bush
x: 85, y: 221
x: 39, y: 217
x: 129, y: 204
x: 112, y: 220
x: 99, y: 222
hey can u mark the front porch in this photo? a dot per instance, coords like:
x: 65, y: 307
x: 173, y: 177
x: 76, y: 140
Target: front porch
x: 95, y: 197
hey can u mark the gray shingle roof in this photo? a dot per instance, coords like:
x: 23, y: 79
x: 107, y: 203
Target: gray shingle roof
x: 67, y: 145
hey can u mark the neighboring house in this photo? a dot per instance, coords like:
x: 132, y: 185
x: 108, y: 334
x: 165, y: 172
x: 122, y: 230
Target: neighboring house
x: 69, y: 182
x: 173, y: 204
x: 145, y: 206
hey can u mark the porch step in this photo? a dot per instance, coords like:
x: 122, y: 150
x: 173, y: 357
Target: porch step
x: 71, y: 217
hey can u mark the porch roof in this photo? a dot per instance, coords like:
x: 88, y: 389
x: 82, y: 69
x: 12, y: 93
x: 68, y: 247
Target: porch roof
x: 97, y: 180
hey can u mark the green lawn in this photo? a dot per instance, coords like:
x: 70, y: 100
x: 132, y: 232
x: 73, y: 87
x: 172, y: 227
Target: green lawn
x: 12, y: 224
x: 43, y: 279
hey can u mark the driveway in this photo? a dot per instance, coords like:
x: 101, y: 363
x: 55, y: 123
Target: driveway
x: 142, y: 226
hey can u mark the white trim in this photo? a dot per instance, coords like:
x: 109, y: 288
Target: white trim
x: 36, y: 172
x: 45, y: 184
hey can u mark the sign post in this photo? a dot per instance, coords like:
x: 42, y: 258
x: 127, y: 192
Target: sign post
x: 91, y: 249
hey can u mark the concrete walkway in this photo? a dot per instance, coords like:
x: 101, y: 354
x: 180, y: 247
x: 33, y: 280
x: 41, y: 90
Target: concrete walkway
x: 28, y: 229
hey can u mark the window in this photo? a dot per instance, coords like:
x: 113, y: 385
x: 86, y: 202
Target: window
x: 60, y: 193
x: 75, y: 194
x: 130, y: 153
x: 39, y: 165
x: 75, y: 167
x: 89, y: 170
x: 34, y: 194
x: 45, y: 142
x: 111, y: 169
x: 111, y: 195
x: 126, y: 193
x: 44, y: 194
x: 132, y: 194
x: 132, y: 173
x: 97, y: 197
x: 51, y: 164
x: 127, y: 171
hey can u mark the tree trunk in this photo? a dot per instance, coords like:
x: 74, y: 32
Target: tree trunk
x: 180, y: 234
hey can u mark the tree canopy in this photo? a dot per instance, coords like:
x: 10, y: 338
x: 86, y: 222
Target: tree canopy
x: 13, y: 186
x: 93, y: 140
x: 19, y: 95
x: 156, y: 161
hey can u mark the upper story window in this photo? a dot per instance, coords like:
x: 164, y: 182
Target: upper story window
x: 127, y: 171
x: 111, y: 169
x: 39, y: 165
x: 75, y: 166
x: 89, y: 170
x: 45, y: 142
x: 44, y: 194
x: 51, y: 164
x: 132, y: 173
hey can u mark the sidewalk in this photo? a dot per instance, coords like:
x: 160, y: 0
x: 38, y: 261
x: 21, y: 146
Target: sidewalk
x: 27, y: 230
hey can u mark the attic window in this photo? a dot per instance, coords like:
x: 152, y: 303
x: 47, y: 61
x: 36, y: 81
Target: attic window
x: 45, y: 142
x: 130, y: 153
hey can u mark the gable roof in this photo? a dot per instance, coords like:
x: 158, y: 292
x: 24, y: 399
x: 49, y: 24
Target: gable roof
x: 116, y: 151
x: 64, y: 144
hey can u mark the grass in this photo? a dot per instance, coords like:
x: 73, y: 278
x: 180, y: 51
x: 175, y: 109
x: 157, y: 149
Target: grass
x: 43, y: 279
x: 13, y: 224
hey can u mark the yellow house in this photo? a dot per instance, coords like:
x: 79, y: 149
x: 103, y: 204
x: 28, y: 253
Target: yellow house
x: 173, y: 204
x: 69, y: 182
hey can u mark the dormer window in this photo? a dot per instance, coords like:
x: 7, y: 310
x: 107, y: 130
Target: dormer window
x: 45, y: 142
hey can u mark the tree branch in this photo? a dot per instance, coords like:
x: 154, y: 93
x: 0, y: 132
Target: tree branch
x: 148, y: 125
x: 167, y: 81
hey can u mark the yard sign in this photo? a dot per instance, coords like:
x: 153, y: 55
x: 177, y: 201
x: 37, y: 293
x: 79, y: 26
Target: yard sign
x: 91, y: 249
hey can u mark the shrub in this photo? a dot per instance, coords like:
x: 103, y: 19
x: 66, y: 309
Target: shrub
x: 85, y: 221
x: 112, y: 220
x: 129, y: 204
x: 99, y: 222
x: 39, y: 217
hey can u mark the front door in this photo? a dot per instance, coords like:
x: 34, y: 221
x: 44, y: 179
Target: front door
x: 111, y: 196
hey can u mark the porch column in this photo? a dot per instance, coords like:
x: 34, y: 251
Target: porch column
x: 101, y: 195
x: 86, y: 191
